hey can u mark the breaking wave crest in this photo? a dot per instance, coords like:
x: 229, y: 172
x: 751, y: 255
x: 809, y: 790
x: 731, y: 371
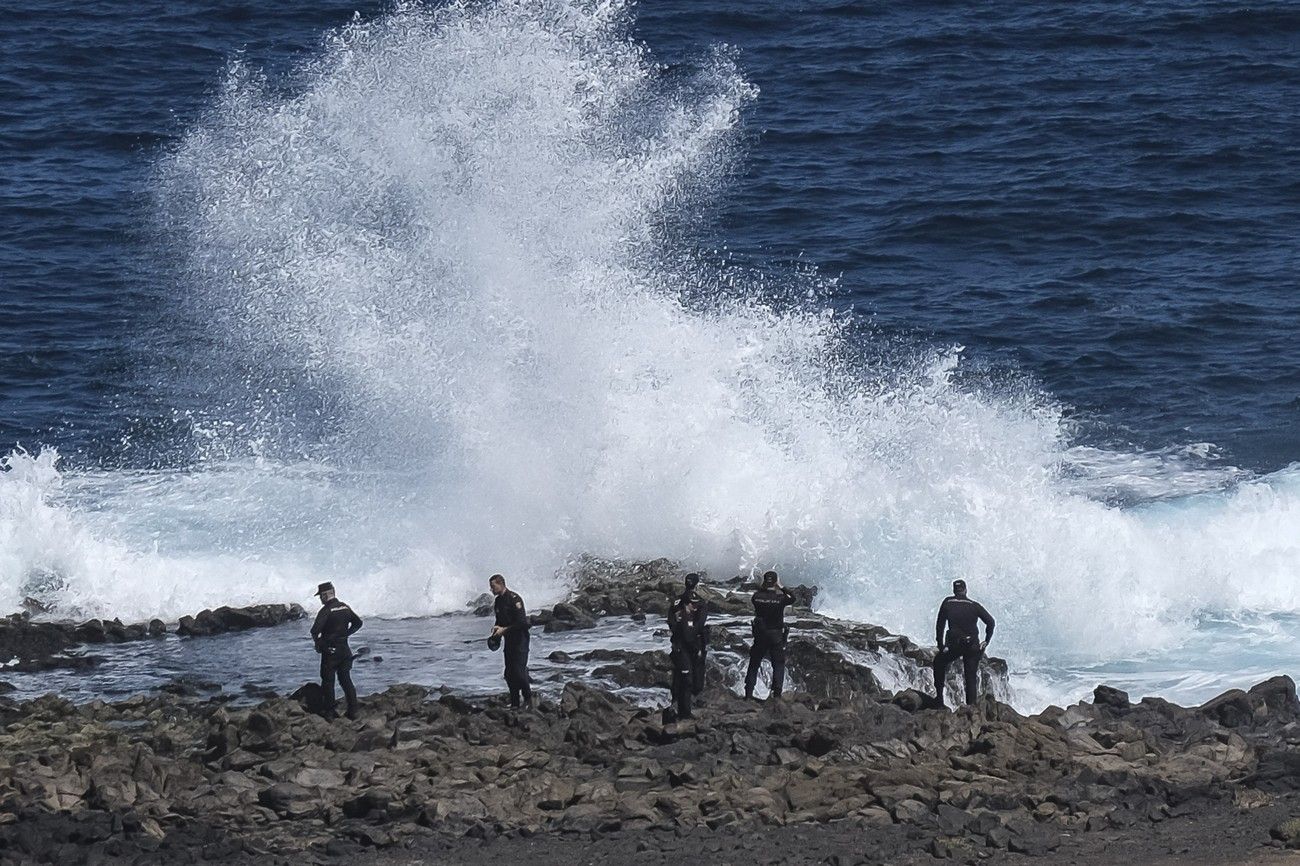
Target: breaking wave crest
x: 448, y: 253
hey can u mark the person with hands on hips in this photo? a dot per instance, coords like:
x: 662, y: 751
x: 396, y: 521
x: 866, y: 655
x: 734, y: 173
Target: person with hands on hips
x: 961, y: 616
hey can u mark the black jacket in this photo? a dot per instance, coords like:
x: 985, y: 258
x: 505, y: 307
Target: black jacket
x: 962, y: 616
x: 769, y: 607
x: 510, y: 612
x: 335, y: 623
x: 688, y: 629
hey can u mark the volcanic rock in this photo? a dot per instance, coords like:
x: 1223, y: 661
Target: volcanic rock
x: 226, y: 619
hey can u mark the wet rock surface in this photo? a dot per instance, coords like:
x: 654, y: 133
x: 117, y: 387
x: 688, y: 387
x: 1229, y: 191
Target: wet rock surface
x: 825, y: 657
x: 185, y: 779
x: 29, y: 646
x: 858, y: 764
x: 228, y: 619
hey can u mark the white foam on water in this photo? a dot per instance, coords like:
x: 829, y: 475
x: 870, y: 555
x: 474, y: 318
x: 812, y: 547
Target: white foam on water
x: 458, y: 223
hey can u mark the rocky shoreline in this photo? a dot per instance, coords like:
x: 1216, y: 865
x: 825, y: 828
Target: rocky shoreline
x: 850, y: 768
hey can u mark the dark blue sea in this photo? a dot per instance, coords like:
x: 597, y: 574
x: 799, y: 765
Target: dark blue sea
x: 881, y: 294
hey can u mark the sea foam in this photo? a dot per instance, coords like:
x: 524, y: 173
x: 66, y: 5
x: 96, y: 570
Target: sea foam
x: 466, y: 231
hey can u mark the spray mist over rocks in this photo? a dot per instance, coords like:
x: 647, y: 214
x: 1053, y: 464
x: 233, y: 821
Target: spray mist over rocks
x: 455, y: 225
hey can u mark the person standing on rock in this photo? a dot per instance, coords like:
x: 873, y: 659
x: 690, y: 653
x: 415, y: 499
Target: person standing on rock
x: 962, y: 616
x: 335, y: 623
x: 770, y: 633
x: 686, y: 626
x: 698, y: 644
x: 512, y: 629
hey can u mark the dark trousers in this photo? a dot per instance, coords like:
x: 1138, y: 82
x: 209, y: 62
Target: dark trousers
x: 515, y: 650
x: 337, y: 662
x: 688, y: 675
x: 684, y: 668
x: 970, y: 654
x: 768, y: 643
x: 697, y: 670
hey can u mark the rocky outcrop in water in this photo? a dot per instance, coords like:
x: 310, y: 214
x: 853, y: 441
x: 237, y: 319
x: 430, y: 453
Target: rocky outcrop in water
x: 228, y: 619
x: 27, y: 645
x: 827, y: 658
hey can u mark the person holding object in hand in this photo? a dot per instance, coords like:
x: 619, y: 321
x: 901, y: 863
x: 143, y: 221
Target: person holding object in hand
x: 512, y: 628
x: 770, y: 633
x: 962, y: 616
x: 697, y: 643
x: 686, y: 627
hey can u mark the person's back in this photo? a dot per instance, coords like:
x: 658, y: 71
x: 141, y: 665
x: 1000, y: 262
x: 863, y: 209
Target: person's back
x: 960, y: 616
x: 335, y: 623
x: 769, y: 607
x: 770, y: 602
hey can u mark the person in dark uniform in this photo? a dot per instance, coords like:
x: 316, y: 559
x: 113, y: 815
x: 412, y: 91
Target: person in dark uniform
x: 512, y: 629
x: 335, y: 623
x: 686, y: 625
x: 770, y: 603
x: 698, y: 643
x: 962, y: 617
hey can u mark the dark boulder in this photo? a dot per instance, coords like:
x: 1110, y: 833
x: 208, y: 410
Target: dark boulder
x: 1275, y: 699
x: 1106, y: 696
x: 1287, y: 832
x: 639, y: 670
x: 1278, y: 770
x: 914, y: 701
x: 32, y: 641
x: 803, y: 595
x: 1270, y: 702
x: 374, y: 800
x: 568, y: 617
x: 824, y: 673
x: 311, y: 696
x: 483, y: 605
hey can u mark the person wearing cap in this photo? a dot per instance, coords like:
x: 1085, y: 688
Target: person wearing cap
x: 335, y: 623
x: 697, y: 642
x: 962, y: 616
x: 512, y: 629
x: 686, y: 617
x: 770, y: 633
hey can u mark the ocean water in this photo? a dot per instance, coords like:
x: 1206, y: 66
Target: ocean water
x: 880, y: 295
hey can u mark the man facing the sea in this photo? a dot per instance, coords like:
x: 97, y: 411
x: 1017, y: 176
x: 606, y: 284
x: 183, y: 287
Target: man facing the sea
x: 770, y: 634
x: 512, y: 628
x: 962, y: 617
